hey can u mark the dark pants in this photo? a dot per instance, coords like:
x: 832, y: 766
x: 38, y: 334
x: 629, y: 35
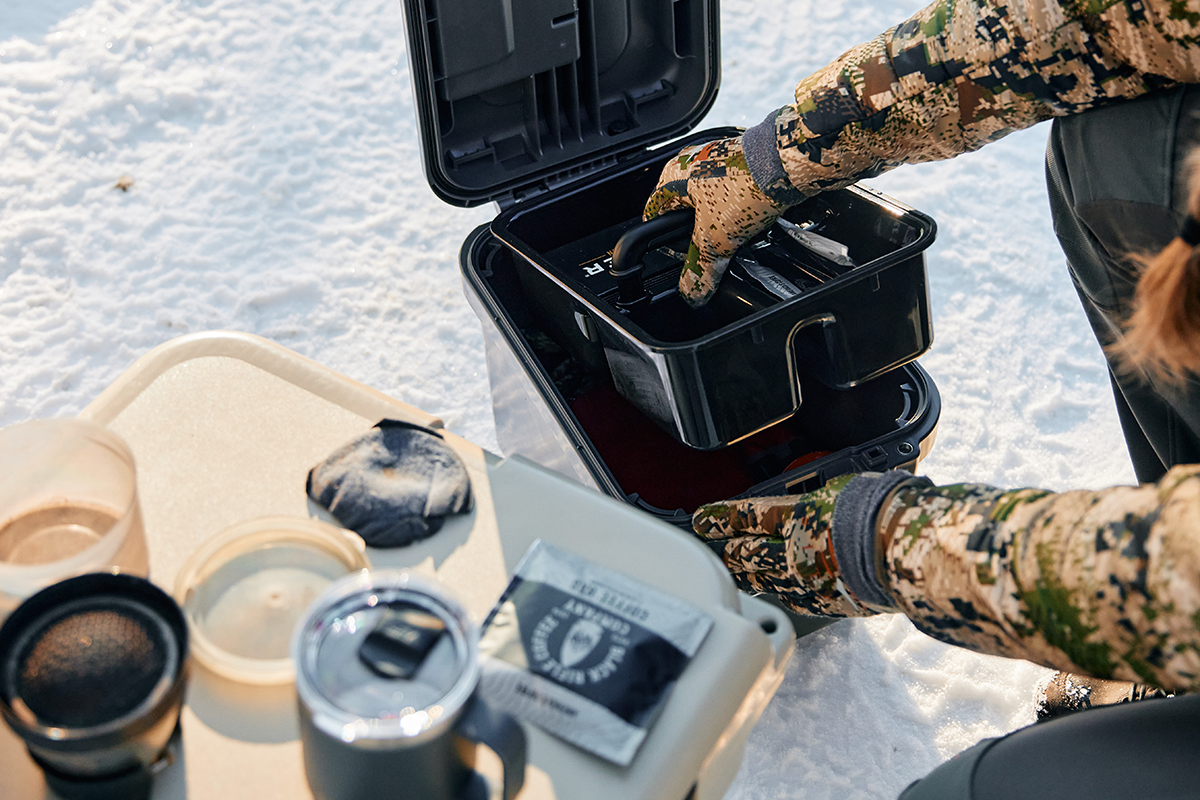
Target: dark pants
x: 1131, y: 751
x: 1118, y: 186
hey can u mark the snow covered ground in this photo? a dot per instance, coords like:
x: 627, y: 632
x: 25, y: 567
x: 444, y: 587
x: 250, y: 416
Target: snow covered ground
x: 270, y: 160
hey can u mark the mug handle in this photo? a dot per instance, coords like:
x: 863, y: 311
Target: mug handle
x: 504, y: 735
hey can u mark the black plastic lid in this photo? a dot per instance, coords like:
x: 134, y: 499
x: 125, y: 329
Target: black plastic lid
x: 514, y: 98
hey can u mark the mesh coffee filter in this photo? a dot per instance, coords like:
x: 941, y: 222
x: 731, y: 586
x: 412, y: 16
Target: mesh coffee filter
x: 92, y: 675
x: 91, y: 662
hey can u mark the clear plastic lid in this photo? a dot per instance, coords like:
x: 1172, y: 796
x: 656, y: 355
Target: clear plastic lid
x: 244, y: 591
x: 385, y: 655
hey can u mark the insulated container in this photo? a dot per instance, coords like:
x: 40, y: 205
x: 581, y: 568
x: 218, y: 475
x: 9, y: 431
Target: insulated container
x: 387, y: 666
x: 563, y: 113
x: 548, y: 108
x: 559, y: 413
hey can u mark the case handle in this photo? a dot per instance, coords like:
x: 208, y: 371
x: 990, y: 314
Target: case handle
x: 627, y: 264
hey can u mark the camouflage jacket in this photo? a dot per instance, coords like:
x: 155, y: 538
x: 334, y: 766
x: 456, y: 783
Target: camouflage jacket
x: 1105, y: 583
x: 961, y: 73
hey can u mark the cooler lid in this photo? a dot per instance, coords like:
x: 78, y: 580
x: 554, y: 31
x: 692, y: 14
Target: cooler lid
x: 514, y: 98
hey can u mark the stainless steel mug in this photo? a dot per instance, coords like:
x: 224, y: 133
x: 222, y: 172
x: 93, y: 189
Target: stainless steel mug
x: 386, y: 670
x: 92, y: 675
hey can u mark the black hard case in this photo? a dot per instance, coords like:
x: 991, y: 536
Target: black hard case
x: 548, y: 108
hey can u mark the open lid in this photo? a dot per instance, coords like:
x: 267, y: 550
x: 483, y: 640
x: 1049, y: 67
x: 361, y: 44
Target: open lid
x: 514, y: 98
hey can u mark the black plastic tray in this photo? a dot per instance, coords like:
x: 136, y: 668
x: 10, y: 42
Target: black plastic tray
x: 714, y: 376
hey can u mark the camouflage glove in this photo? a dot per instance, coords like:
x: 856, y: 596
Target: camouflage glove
x: 716, y: 181
x: 816, y: 552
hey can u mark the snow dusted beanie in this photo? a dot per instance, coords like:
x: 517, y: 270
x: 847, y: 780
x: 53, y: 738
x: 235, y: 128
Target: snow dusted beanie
x: 392, y: 486
x: 854, y: 518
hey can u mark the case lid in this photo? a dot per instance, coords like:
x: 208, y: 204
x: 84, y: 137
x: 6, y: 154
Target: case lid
x: 514, y: 98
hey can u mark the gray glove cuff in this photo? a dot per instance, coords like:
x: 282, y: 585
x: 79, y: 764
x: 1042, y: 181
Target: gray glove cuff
x: 853, y: 534
x: 762, y: 159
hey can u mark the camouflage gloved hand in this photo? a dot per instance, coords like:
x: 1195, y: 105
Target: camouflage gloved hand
x: 715, y: 180
x: 815, y: 557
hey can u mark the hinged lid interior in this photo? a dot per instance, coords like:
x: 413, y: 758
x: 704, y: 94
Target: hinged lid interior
x: 515, y: 97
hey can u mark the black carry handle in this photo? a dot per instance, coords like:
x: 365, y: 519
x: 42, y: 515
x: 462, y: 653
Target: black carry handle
x: 504, y: 735
x: 627, y: 255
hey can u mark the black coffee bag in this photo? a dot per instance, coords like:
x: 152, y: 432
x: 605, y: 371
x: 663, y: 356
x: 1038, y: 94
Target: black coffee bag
x: 585, y: 652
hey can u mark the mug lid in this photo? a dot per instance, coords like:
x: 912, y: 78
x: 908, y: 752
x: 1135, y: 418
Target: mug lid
x: 385, y: 655
x: 246, y: 588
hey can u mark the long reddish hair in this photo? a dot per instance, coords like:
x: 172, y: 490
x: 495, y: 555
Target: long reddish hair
x: 1162, y: 334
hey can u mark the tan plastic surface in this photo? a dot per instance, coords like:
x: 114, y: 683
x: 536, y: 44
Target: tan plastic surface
x: 225, y: 426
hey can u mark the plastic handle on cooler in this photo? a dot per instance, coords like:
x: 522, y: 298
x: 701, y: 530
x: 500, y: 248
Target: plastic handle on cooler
x: 627, y: 265
x: 504, y: 735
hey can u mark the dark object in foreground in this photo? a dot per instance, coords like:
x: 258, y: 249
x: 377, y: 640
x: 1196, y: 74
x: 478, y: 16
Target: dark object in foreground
x: 1128, y: 751
x: 387, y: 666
x: 392, y: 486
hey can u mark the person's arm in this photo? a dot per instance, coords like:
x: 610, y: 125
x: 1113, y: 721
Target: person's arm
x: 958, y: 74
x: 962, y: 73
x: 1103, y: 583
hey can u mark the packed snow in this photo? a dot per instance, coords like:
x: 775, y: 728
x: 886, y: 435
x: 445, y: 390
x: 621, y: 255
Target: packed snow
x: 171, y: 166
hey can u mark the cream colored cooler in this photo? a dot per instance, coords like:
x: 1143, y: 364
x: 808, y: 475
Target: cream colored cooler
x: 225, y: 426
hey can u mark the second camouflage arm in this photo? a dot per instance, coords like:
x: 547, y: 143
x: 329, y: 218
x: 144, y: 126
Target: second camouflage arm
x: 1104, y: 583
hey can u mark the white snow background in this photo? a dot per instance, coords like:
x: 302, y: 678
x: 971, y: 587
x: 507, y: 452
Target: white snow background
x: 276, y: 189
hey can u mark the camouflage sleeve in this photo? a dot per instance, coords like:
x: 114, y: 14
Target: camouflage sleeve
x: 1104, y: 583
x: 783, y: 546
x: 961, y: 73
